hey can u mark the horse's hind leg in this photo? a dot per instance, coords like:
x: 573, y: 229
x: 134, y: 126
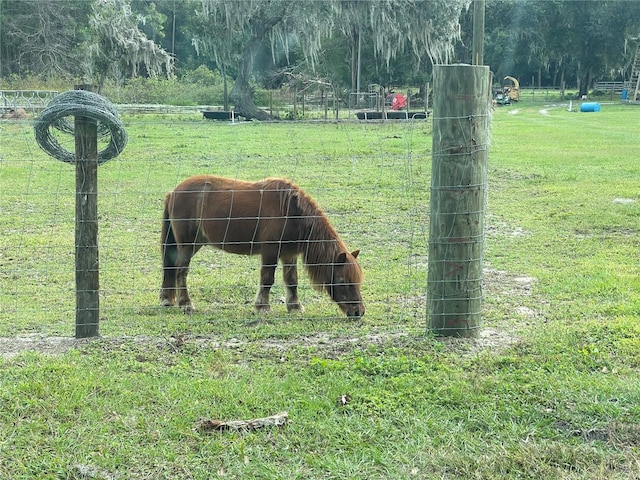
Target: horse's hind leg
x: 290, y: 276
x: 169, y: 270
x: 185, y: 253
x: 267, y: 275
x: 169, y: 254
x: 168, y: 289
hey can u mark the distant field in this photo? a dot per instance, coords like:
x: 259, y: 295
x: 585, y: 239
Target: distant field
x: 549, y: 390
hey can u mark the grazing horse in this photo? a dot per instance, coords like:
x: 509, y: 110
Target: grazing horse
x: 272, y: 218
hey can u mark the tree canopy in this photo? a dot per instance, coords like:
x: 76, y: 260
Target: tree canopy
x: 552, y: 41
x: 346, y: 44
x: 228, y: 28
x: 77, y: 39
x: 116, y: 45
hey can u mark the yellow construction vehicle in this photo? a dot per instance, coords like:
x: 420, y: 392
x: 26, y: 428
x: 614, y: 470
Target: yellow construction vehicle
x: 512, y: 90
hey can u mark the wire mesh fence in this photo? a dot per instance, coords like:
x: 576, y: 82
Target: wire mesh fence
x: 370, y: 179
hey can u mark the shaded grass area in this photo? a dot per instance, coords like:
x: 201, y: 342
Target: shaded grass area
x: 549, y: 391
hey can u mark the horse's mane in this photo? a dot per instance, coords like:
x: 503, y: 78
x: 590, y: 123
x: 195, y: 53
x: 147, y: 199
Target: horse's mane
x: 320, y: 244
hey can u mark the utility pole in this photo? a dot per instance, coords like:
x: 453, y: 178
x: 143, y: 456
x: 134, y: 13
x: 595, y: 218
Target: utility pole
x: 478, y: 32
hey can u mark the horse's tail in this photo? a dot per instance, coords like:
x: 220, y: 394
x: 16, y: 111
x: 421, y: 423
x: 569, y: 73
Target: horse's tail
x: 169, y: 247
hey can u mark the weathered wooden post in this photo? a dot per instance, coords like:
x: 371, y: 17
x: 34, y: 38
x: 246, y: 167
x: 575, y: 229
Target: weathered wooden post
x: 458, y: 198
x: 87, y: 261
x: 271, y: 103
x: 426, y: 98
x: 325, y: 103
x: 93, y: 115
x: 295, y: 103
x: 478, y: 32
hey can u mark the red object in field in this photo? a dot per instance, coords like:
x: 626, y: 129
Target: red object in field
x: 399, y: 102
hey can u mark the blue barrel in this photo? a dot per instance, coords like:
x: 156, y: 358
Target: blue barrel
x: 624, y: 95
x: 590, y: 107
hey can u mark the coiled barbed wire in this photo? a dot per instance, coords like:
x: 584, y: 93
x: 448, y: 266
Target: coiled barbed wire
x: 86, y: 104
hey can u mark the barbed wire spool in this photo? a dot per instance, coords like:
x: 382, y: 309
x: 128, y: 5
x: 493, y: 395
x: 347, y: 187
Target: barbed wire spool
x: 86, y: 104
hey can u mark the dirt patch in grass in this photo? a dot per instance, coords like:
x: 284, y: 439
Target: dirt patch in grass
x: 490, y: 338
x: 325, y: 344
x: 10, y: 347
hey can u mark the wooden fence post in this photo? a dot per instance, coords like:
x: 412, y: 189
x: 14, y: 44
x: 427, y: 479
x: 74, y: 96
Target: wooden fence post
x: 458, y: 198
x: 271, y: 103
x: 87, y: 262
x: 325, y: 103
x: 295, y: 103
x: 426, y: 98
x: 87, y: 109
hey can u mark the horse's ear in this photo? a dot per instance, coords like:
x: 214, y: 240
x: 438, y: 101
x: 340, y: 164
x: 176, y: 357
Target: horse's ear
x: 355, y: 253
x: 342, y: 258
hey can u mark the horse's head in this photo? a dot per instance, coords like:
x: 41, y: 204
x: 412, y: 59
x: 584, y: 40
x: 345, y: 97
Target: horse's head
x: 345, y: 285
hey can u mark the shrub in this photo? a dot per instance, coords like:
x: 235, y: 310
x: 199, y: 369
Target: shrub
x: 203, y: 76
x: 191, y: 90
x: 201, y: 86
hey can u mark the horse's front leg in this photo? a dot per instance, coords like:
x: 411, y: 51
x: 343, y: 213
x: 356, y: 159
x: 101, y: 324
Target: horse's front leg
x: 290, y: 277
x: 267, y: 275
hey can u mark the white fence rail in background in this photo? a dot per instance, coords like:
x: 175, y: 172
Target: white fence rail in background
x: 30, y: 100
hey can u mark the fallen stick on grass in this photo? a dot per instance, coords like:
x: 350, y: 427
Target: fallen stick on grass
x: 276, y: 420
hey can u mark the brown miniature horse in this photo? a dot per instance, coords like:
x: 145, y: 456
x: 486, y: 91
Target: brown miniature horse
x: 272, y: 218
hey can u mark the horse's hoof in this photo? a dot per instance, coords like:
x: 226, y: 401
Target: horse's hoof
x: 295, y: 308
x: 187, y: 309
x: 165, y: 302
x: 262, y: 309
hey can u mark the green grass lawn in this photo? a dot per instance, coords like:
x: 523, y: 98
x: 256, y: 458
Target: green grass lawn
x: 549, y: 390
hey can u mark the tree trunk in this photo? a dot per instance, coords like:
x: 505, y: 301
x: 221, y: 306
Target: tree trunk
x: 242, y: 98
x: 225, y: 90
x: 588, y: 83
x: 242, y: 93
x: 585, y: 81
x: 354, y: 65
x: 540, y: 77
